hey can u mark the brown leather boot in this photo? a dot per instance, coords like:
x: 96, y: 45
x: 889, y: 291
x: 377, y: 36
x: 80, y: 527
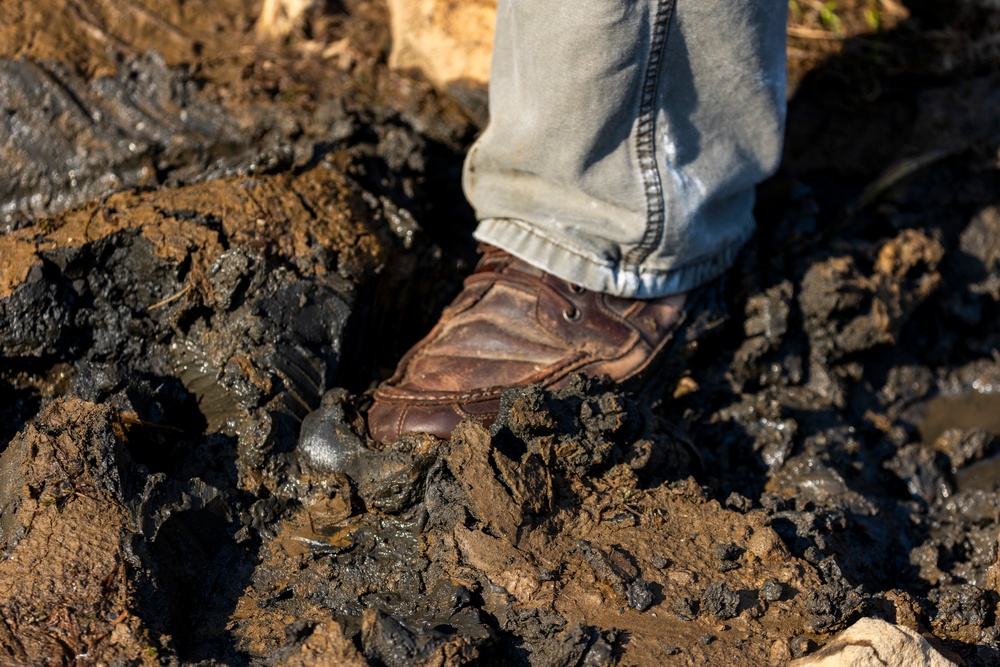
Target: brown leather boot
x: 515, y: 325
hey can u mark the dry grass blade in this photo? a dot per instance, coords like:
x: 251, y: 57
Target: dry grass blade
x: 898, y: 171
x: 801, y: 32
x: 169, y: 299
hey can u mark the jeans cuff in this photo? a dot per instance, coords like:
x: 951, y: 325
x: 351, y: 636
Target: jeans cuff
x: 603, y: 275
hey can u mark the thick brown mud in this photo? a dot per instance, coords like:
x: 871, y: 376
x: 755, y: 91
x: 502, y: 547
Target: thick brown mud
x: 214, y: 245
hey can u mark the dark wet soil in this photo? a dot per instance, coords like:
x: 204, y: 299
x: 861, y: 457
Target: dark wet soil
x: 212, y: 250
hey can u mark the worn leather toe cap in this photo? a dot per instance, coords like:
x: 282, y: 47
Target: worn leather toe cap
x: 388, y: 421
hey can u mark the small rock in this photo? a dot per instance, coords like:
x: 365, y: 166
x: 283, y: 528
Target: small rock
x: 728, y: 551
x: 875, y: 643
x: 923, y: 470
x: 639, y: 596
x: 686, y: 607
x: 600, y: 654
x: 964, y: 446
x: 671, y: 650
x: 660, y: 562
x: 279, y: 18
x: 738, y: 502
x: 801, y: 646
x: 772, y: 590
x: 720, y: 601
x: 813, y: 555
x: 766, y: 544
x: 779, y: 653
x: 451, y: 43
x: 726, y: 556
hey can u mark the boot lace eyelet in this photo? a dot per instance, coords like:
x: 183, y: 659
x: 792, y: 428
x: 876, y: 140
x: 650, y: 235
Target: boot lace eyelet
x: 573, y: 315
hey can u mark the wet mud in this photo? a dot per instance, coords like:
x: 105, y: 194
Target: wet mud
x: 212, y: 251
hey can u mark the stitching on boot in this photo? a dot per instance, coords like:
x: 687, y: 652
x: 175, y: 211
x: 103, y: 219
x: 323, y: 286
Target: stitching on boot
x: 390, y: 394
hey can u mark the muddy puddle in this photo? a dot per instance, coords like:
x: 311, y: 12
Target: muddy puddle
x: 214, y: 245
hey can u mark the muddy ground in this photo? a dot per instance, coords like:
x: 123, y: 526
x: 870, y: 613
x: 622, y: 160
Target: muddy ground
x: 213, y: 246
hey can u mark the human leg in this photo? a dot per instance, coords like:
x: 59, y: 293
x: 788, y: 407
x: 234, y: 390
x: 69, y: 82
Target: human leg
x: 618, y: 169
x: 625, y: 138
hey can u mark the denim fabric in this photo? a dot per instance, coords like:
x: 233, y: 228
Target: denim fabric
x: 626, y: 137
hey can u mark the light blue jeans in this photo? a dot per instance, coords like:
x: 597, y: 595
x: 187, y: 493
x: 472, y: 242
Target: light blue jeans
x: 626, y: 137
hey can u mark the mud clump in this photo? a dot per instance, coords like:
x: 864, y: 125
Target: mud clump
x: 219, y: 307
x: 721, y: 602
x: 615, y: 570
x: 201, y: 324
x: 493, y: 548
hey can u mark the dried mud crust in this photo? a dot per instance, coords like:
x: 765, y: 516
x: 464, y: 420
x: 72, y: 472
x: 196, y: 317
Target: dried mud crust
x: 65, y: 526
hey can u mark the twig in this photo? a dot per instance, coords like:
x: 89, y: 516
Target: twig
x: 169, y: 299
x: 898, y: 171
x: 133, y: 421
x: 801, y: 32
x: 98, y: 208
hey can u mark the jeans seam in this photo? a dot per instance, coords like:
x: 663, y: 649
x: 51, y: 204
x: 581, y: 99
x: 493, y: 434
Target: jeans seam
x: 646, y: 144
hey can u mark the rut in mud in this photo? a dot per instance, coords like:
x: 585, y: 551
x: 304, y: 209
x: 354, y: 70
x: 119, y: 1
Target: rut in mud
x: 209, y: 255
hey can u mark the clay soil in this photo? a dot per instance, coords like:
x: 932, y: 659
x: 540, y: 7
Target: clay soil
x: 213, y: 245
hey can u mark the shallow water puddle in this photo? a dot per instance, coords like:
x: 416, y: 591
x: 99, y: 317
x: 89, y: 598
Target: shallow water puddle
x: 984, y: 475
x: 963, y: 411
x: 973, y: 410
